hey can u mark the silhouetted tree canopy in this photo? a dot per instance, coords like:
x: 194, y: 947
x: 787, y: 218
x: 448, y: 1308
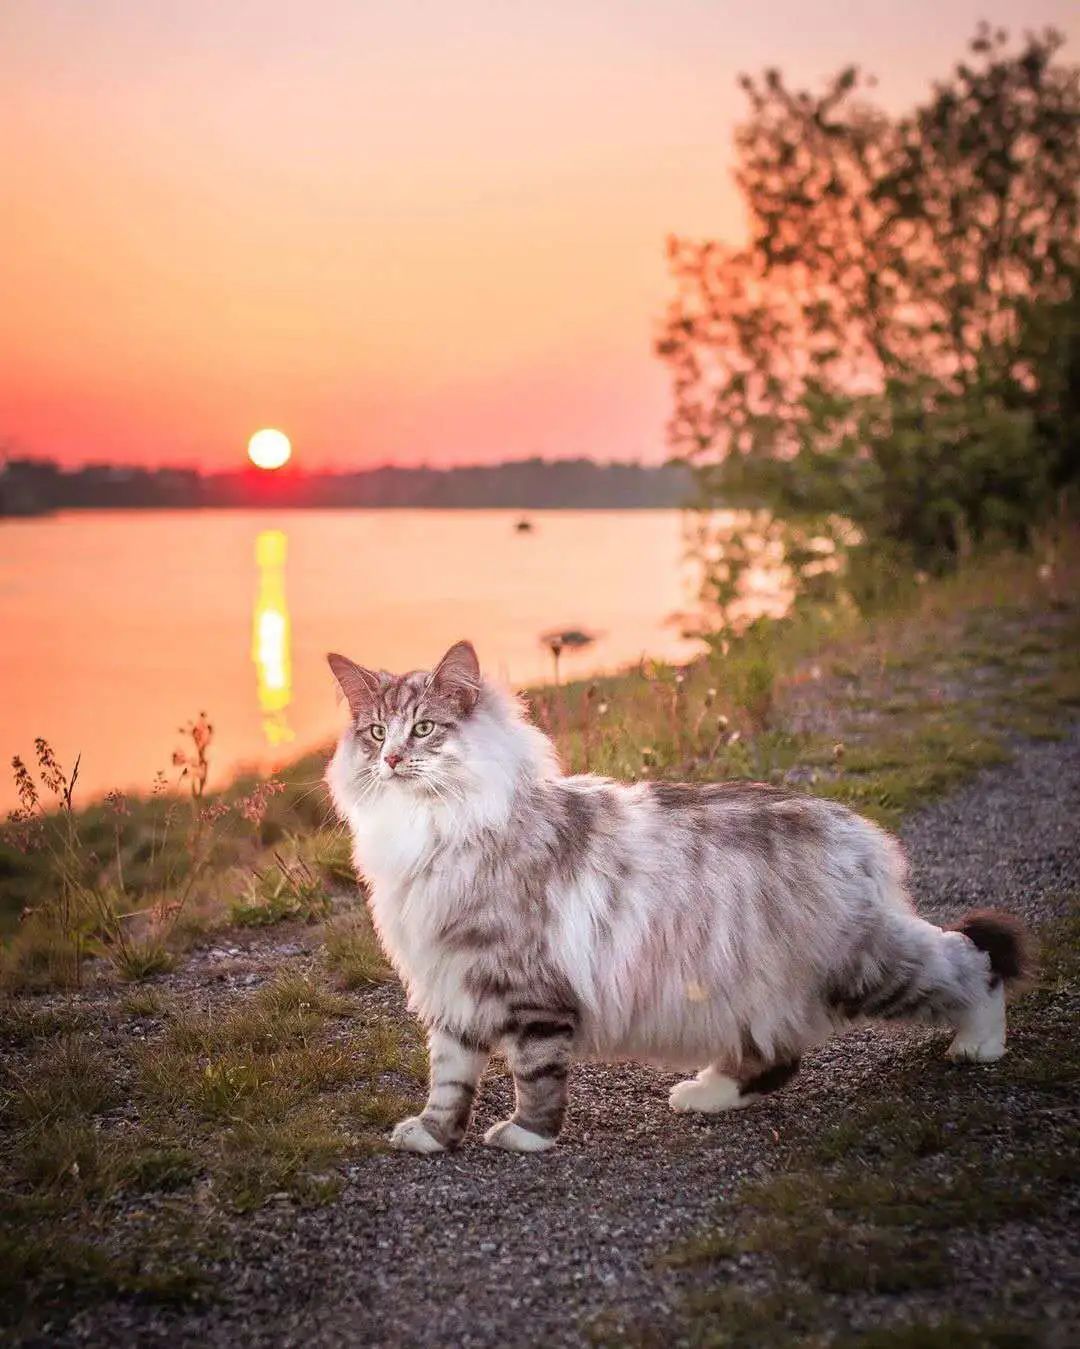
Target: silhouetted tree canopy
x: 899, y: 342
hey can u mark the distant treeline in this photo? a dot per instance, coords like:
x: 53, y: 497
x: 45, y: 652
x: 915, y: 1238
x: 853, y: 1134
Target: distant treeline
x: 37, y: 486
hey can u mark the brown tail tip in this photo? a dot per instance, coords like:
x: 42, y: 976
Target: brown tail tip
x: 1004, y: 940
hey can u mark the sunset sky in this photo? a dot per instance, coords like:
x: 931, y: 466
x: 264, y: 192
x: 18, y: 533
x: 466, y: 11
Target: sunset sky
x: 402, y: 232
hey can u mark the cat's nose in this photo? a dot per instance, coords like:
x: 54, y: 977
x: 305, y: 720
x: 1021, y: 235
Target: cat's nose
x: 392, y: 760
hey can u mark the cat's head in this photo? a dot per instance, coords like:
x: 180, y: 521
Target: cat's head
x: 407, y: 729
x: 446, y: 737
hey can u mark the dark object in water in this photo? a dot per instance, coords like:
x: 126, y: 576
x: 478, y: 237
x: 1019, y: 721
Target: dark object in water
x: 524, y: 526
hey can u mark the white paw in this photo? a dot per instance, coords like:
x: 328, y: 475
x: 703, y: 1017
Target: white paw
x: 411, y: 1136
x: 710, y: 1093
x: 965, y: 1049
x: 980, y: 1036
x: 507, y: 1134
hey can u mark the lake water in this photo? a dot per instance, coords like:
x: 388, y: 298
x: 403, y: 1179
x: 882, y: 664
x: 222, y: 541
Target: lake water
x: 118, y: 626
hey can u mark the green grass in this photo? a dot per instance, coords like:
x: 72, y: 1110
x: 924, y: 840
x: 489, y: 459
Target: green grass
x: 886, y: 778
x: 21, y: 1023
x: 287, y: 888
x: 143, y: 1002
x: 42, y: 1275
x: 161, y: 1168
x: 738, y: 1317
x: 295, y: 1157
x: 946, y: 1334
x: 141, y: 959
x: 74, y: 1077
x: 353, y: 952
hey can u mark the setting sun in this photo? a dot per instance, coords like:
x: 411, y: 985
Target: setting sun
x: 269, y: 449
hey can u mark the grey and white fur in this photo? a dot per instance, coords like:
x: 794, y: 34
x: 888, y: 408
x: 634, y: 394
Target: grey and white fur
x: 722, y: 928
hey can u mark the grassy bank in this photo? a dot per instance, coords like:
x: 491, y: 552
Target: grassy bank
x: 197, y: 1022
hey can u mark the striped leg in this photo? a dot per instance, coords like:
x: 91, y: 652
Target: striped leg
x: 456, y: 1065
x: 538, y: 1052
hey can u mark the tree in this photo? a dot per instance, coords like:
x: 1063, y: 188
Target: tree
x: 897, y: 344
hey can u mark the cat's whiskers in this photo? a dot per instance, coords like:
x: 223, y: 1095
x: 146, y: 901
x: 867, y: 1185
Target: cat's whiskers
x: 446, y: 790
x: 318, y: 785
x: 436, y: 792
x: 337, y: 832
x: 370, y: 786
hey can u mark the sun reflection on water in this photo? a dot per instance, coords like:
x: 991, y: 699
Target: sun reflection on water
x: 271, y: 637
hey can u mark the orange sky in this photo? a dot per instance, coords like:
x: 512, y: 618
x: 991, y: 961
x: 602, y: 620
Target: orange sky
x: 400, y: 231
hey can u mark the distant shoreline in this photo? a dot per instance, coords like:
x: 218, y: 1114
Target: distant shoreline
x: 588, y: 509
x: 37, y: 487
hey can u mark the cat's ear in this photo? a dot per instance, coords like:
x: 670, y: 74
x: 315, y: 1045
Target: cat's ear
x: 457, y: 676
x: 357, y: 684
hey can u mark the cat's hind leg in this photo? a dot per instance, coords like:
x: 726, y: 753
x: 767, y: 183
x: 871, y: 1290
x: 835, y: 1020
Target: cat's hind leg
x: 956, y: 977
x: 1001, y: 940
x: 709, y: 1093
x: 980, y: 1029
x: 714, y: 1090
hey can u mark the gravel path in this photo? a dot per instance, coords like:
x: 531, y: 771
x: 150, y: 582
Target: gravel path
x: 490, y: 1249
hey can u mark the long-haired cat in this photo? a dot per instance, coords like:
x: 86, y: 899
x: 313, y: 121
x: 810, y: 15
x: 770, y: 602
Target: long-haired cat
x: 724, y: 928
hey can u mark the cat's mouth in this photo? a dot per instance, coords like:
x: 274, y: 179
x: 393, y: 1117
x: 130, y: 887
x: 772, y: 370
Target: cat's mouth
x: 421, y: 785
x: 387, y: 775
x: 380, y: 778
x: 390, y: 777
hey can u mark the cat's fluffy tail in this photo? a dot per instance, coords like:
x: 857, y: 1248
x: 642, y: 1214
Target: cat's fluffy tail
x: 1004, y: 940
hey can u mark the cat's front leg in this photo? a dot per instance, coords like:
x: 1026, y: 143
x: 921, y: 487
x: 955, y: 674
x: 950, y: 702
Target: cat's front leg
x: 538, y: 1052
x: 456, y: 1064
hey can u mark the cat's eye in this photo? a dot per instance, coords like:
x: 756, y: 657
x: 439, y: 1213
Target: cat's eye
x: 377, y: 731
x: 423, y: 728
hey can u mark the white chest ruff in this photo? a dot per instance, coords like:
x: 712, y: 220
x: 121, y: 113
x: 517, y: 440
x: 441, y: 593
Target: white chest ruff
x: 409, y: 918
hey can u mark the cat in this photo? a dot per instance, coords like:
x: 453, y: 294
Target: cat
x: 723, y: 928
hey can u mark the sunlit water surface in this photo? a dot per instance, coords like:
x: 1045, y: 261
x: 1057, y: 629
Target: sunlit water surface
x: 118, y: 626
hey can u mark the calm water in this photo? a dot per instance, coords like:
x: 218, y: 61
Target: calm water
x: 119, y: 626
